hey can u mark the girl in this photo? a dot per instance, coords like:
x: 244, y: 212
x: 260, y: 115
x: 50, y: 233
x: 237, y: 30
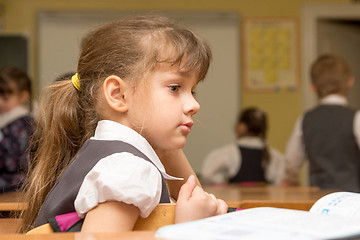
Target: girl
x: 16, y: 126
x: 249, y: 159
x: 133, y: 97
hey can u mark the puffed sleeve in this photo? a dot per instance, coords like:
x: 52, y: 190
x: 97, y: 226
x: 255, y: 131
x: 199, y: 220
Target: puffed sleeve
x: 121, y: 177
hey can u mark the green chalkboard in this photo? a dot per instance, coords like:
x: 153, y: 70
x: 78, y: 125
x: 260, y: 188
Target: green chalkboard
x: 14, y: 51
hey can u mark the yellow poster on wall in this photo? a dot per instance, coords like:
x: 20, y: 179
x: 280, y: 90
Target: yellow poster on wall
x: 270, y: 54
x: 2, y: 17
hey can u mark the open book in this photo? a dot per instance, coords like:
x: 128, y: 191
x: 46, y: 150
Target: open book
x: 334, y: 216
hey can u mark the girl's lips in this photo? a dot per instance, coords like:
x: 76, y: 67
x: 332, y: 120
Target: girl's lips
x: 187, y: 126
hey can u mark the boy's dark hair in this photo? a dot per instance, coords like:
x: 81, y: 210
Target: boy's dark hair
x: 330, y: 75
x: 14, y: 80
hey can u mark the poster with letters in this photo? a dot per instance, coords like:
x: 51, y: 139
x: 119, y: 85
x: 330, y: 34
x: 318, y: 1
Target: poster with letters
x: 271, y: 58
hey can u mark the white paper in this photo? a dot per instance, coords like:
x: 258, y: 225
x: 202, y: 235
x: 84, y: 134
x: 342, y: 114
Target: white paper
x: 264, y: 223
x: 345, y: 204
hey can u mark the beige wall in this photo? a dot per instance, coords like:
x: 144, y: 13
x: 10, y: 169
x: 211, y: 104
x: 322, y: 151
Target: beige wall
x: 283, y: 107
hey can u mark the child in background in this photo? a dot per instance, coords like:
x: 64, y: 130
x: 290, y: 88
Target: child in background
x: 329, y: 134
x: 249, y: 159
x: 126, y: 115
x: 16, y: 126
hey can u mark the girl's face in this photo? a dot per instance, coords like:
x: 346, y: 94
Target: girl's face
x: 10, y: 101
x: 163, y: 106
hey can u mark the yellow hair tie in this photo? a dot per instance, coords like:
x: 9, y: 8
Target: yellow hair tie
x: 76, y: 82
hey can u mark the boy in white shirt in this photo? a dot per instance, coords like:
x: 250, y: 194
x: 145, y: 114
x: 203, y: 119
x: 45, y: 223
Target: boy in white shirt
x: 329, y: 134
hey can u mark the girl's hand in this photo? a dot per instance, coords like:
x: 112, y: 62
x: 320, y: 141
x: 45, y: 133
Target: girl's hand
x: 194, y: 203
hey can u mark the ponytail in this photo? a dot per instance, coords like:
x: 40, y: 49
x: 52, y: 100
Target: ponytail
x: 59, y: 134
x: 266, y: 156
x: 255, y: 121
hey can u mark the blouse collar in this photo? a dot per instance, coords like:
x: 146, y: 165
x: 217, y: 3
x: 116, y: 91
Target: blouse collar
x: 334, y: 99
x: 250, y: 142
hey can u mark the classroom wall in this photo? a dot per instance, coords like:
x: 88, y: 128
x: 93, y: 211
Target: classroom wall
x: 283, y: 106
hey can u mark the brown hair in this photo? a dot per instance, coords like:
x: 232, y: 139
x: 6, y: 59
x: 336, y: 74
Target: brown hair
x: 128, y: 48
x: 256, y: 123
x: 14, y: 80
x: 330, y: 74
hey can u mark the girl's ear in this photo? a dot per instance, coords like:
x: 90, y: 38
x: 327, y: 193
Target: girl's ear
x: 115, y: 90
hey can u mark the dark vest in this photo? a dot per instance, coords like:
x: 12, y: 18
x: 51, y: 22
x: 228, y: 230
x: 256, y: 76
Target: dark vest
x: 331, y: 148
x: 251, y: 169
x: 60, y: 199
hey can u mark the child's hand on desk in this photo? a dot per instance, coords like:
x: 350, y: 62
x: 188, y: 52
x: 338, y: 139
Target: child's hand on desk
x: 194, y: 203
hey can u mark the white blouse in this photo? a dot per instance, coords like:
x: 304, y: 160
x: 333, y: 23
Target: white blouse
x: 123, y: 177
x: 225, y: 162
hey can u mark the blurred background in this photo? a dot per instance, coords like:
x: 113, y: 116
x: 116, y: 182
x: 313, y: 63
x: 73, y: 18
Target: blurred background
x: 262, y: 51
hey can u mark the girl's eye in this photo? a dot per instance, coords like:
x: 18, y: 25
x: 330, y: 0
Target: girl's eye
x: 193, y: 92
x: 174, y: 88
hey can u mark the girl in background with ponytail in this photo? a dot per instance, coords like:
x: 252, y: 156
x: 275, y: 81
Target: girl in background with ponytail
x: 249, y: 160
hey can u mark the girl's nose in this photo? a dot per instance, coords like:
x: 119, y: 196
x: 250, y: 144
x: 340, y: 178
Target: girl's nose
x: 191, y: 106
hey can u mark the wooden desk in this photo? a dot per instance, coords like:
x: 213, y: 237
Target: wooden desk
x: 135, y: 235
x: 229, y: 193
x: 8, y: 225
x: 301, y: 198
x: 237, y: 193
x: 11, y: 201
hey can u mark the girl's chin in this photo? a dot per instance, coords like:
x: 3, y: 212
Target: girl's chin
x: 172, y: 144
x: 181, y: 145
x: 174, y: 147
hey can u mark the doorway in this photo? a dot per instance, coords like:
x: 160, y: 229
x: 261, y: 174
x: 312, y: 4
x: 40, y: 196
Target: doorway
x: 331, y: 28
